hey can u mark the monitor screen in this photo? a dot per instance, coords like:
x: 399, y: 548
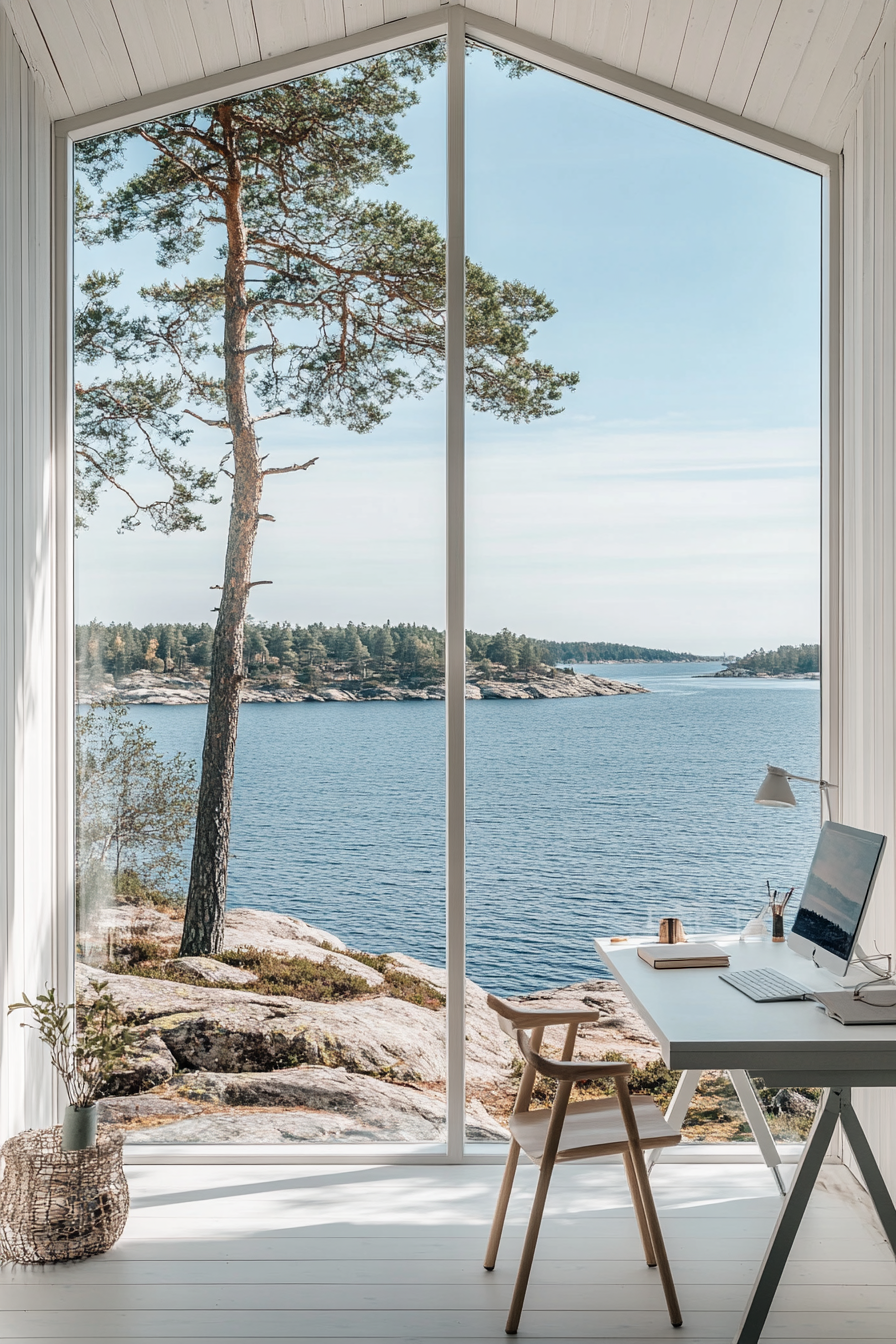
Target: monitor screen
x: 837, y: 888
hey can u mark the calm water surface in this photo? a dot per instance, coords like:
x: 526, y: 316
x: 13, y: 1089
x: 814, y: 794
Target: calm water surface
x: 584, y: 817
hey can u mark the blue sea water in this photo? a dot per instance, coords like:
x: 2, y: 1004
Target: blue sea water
x: 584, y: 817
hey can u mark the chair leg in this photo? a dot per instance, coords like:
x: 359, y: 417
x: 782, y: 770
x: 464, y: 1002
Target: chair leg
x: 523, y: 1098
x: 548, y: 1157
x: 528, y: 1255
x: 656, y: 1234
x: 638, y: 1205
x: 494, y: 1240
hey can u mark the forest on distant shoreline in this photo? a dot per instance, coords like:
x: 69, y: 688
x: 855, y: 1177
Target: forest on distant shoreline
x: 405, y: 650
x: 599, y: 651
x: 786, y: 660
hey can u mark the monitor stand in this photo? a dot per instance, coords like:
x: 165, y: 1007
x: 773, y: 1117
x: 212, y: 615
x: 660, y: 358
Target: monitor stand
x: 863, y: 960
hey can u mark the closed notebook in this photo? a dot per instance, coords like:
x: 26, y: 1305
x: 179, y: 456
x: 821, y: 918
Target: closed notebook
x: 669, y: 956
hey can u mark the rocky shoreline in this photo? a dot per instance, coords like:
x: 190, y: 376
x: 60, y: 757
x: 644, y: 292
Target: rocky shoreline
x: 742, y: 674
x: 150, y: 688
x: 218, y: 1063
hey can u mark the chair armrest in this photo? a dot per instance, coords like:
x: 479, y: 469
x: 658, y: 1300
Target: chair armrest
x: 515, y: 1022
x: 579, y: 1071
x: 527, y: 1018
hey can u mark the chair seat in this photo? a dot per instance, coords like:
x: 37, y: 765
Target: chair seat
x: 593, y: 1129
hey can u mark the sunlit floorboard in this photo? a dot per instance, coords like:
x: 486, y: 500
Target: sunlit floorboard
x: 251, y: 1254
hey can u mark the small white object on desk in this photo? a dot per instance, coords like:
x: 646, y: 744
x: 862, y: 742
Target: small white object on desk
x: 756, y: 927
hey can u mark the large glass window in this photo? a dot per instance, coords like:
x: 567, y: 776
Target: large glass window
x: 621, y: 553
x: 260, y: 582
x: 261, y: 286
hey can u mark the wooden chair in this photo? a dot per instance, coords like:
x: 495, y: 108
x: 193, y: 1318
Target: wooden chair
x: 568, y: 1133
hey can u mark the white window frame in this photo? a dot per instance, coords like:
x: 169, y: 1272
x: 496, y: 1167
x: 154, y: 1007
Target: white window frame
x: 456, y: 24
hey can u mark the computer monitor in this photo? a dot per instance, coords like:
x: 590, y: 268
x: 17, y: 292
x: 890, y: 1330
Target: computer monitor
x: 836, y: 895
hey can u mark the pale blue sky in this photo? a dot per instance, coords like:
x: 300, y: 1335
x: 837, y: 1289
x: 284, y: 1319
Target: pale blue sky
x: 675, y: 501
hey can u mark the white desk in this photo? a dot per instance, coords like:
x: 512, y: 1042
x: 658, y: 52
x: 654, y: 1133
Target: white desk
x: 703, y: 1023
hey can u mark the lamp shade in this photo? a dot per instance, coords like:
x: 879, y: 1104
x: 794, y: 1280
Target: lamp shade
x: 775, y: 790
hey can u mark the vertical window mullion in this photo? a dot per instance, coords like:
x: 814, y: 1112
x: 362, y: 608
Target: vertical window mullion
x: 455, y: 632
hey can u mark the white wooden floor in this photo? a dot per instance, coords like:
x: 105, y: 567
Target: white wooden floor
x: 250, y: 1254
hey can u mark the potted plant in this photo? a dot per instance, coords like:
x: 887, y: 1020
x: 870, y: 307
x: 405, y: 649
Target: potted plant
x: 83, y: 1053
x: 64, y: 1193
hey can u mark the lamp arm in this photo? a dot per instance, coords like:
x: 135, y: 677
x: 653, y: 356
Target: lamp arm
x: 824, y: 793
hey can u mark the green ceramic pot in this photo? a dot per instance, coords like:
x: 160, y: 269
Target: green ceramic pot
x: 79, y: 1128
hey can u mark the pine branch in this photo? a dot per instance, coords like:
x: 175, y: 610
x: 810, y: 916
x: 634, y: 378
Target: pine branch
x: 281, y: 471
x: 212, y: 424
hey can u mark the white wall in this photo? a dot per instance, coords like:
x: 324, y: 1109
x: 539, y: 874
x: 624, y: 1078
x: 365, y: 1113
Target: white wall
x: 868, y: 549
x: 27, y: 611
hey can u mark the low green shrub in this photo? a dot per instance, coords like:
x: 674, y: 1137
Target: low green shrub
x: 298, y: 977
x: 399, y: 984
x: 315, y: 981
x: 655, y: 1079
x: 130, y: 889
x: 142, y: 949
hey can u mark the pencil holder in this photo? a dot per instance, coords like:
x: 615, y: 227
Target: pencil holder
x: 777, y: 923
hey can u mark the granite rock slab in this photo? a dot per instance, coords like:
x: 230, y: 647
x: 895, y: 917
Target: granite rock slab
x: 149, y: 1062
x: 320, y: 1089
x: 218, y: 972
x: 121, y: 1110
x: 310, y: 1105
x: 234, y: 1031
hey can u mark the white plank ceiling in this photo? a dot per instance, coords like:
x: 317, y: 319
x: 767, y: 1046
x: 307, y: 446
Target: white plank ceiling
x: 791, y: 64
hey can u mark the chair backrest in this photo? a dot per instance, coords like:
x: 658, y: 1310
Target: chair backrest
x: 517, y: 1021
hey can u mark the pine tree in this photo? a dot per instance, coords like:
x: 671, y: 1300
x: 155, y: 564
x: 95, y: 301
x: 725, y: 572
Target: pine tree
x: 329, y: 307
x: 354, y: 652
x: 280, y: 644
x: 200, y: 651
x: 255, y: 650
x: 383, y: 646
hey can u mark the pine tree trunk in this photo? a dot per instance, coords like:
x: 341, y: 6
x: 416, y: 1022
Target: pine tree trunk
x: 204, y: 916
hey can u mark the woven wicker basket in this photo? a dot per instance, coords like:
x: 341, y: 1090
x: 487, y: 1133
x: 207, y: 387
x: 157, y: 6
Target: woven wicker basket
x: 57, y: 1205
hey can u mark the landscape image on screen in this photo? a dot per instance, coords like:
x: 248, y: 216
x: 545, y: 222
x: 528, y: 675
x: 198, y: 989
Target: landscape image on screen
x: 836, y: 887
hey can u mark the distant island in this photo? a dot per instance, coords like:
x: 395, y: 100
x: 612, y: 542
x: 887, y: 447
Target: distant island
x: 383, y: 652
x: 791, y: 661
x: 169, y: 664
x: 585, y: 651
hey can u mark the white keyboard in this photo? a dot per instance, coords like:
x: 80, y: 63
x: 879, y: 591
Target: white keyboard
x: 766, y: 986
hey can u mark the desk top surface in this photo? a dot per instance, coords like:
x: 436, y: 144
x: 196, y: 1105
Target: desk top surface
x: 702, y: 1022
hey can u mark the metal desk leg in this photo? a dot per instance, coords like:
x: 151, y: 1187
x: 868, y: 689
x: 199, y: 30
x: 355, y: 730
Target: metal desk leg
x: 855, y: 1137
x: 678, y: 1106
x: 684, y: 1095
x: 789, y: 1218
x: 836, y: 1105
x: 746, y: 1095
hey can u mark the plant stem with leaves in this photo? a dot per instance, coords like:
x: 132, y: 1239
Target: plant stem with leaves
x: 85, y: 1058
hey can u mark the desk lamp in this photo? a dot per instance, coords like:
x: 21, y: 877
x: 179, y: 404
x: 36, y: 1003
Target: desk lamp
x: 775, y: 790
